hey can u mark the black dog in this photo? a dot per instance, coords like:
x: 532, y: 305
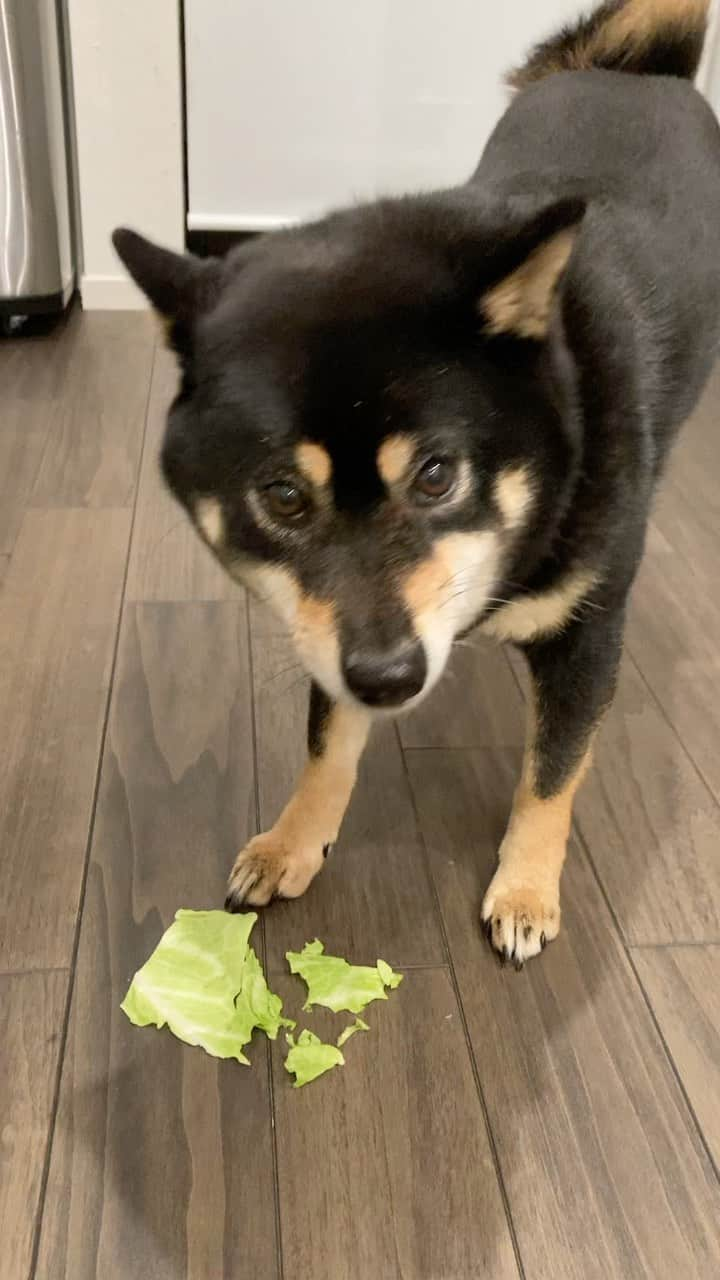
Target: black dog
x: 450, y: 410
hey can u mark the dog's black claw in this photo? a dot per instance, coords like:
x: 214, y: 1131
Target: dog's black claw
x: 527, y: 931
x: 327, y: 850
x: 543, y: 942
x: 519, y: 966
x: 487, y: 929
x: 232, y: 905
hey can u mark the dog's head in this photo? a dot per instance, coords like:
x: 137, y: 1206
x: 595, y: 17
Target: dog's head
x: 372, y: 428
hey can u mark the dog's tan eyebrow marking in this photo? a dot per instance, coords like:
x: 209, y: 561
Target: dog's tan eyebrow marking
x: 209, y: 516
x: 314, y: 463
x: 394, y: 457
x: 514, y: 495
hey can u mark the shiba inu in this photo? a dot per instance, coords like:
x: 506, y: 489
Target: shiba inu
x: 450, y: 410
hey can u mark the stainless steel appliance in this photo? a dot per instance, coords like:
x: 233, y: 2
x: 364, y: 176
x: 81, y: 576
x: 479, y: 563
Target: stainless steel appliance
x: 37, y: 270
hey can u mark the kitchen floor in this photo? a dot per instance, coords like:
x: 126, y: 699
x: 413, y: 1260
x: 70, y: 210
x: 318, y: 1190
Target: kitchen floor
x: 561, y: 1122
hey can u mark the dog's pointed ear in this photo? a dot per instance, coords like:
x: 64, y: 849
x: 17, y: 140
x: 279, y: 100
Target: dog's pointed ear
x: 179, y: 285
x: 527, y: 268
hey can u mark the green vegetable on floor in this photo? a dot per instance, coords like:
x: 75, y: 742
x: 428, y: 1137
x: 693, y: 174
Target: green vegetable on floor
x: 357, y: 1025
x: 310, y: 1058
x: 337, y: 985
x: 206, y: 984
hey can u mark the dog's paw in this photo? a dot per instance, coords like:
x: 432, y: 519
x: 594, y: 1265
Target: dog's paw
x: 270, y: 868
x: 519, y: 919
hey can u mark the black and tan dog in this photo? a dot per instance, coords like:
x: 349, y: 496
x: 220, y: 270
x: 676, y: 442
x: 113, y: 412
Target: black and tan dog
x: 432, y: 413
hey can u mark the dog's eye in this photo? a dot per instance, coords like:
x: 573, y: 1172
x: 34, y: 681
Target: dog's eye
x: 285, y: 500
x: 436, y: 478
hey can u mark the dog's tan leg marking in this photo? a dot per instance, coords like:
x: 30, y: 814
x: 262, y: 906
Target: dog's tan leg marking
x: 521, y: 910
x: 282, y: 862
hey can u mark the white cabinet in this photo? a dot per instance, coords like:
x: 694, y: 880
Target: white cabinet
x: 296, y: 106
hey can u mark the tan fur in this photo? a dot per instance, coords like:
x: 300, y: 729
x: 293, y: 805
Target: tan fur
x: 314, y: 463
x: 166, y: 325
x: 630, y: 29
x: 284, y: 860
x: 423, y: 586
x: 522, y: 302
x: 314, y: 632
x: 394, y: 458
x: 310, y: 621
x: 638, y: 21
x: 543, y: 614
x: 523, y: 900
x: 514, y: 495
x: 210, y: 520
x: 447, y: 592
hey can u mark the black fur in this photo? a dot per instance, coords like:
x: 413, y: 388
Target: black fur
x: 319, y: 710
x: 367, y: 324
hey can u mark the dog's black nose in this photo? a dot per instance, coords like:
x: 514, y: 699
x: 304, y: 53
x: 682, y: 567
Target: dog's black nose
x: 386, y: 679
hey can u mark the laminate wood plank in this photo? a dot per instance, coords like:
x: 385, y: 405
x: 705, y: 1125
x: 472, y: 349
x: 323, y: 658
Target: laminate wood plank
x: 161, y: 1164
x: 31, y: 373
x: 476, y: 704
x: 373, y: 898
x: 58, y: 619
x: 32, y: 1007
x: 4, y: 562
x: 93, y: 449
x: 688, y: 507
x: 604, y: 1170
x: 673, y: 634
x: 683, y: 986
x: 33, y: 360
x: 651, y: 824
x: 168, y: 561
x: 384, y: 1164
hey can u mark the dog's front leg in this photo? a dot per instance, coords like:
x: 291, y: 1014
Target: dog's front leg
x: 572, y: 683
x: 282, y: 862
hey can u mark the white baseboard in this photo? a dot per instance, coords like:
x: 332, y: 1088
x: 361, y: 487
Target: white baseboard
x: 111, y: 293
x: 239, y: 221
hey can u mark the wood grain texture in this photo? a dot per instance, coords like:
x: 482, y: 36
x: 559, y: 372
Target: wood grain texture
x: 673, y: 633
x: 476, y: 703
x: 683, y: 986
x: 31, y: 376
x: 604, y: 1170
x: 93, y: 449
x: 58, y: 618
x: 398, y: 1177
x: 651, y: 824
x: 32, y: 1007
x: 374, y: 897
x: 687, y: 510
x: 162, y: 1159
x: 168, y: 561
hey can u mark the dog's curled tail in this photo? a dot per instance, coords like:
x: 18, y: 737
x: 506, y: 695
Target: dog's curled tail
x: 644, y: 37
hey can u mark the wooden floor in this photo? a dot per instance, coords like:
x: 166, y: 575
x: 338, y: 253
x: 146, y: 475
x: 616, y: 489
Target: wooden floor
x: 563, y: 1122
